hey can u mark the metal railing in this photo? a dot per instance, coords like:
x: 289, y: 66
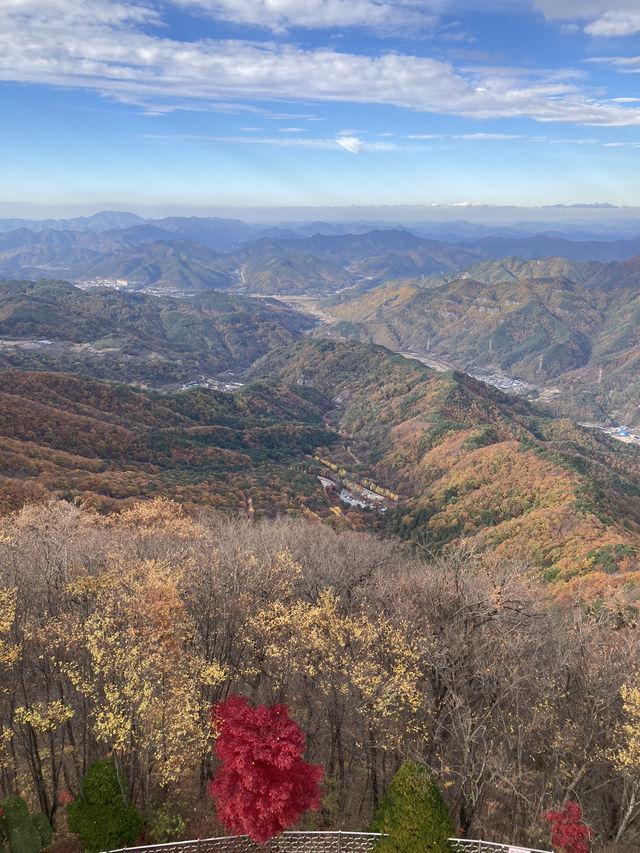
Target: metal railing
x: 335, y: 841
x: 469, y: 845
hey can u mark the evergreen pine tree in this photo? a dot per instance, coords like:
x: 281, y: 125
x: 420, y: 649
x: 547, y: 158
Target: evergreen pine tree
x: 45, y: 831
x: 100, y: 817
x: 413, y: 814
x: 21, y: 832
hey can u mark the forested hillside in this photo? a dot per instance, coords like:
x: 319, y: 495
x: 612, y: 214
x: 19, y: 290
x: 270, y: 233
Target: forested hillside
x: 577, y: 334
x: 135, y: 337
x: 474, y: 465
x: 105, y: 445
x: 451, y: 459
x: 119, y: 632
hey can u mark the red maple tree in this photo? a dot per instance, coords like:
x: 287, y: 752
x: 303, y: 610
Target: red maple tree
x: 263, y: 785
x: 568, y: 831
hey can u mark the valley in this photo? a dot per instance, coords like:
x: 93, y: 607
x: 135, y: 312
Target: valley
x: 439, y: 409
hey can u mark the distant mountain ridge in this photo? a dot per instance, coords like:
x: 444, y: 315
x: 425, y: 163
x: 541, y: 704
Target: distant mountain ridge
x: 102, y: 221
x: 542, y: 246
x: 187, y: 254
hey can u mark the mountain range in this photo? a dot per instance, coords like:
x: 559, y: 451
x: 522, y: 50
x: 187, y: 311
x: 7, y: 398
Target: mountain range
x: 187, y: 254
x: 458, y: 461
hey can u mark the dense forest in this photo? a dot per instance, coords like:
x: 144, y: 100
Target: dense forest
x: 553, y: 323
x: 454, y: 460
x: 107, y: 445
x: 136, y: 337
x: 119, y: 632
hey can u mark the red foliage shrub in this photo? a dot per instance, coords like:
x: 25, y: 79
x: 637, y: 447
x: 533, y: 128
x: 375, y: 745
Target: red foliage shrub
x: 64, y: 798
x: 568, y: 831
x: 263, y: 785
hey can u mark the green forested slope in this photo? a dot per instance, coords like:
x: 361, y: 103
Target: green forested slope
x: 135, y: 336
x: 580, y: 337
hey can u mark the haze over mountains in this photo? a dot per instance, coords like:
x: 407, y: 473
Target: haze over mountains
x: 553, y: 308
x: 188, y: 254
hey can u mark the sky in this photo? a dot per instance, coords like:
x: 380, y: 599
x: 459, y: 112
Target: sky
x: 198, y: 106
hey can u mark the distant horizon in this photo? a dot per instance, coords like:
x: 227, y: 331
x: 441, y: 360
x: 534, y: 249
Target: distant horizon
x: 598, y: 213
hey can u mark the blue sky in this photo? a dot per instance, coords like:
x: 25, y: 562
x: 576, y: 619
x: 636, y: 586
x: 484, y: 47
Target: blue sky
x: 207, y: 105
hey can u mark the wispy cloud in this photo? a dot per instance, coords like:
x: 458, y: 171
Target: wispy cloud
x: 103, y: 46
x: 514, y: 137
x: 387, y: 17
x: 624, y: 64
x: 494, y: 136
x: 606, y: 17
x: 353, y: 144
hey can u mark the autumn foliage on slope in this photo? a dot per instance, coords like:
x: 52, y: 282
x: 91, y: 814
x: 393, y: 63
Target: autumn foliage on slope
x: 263, y: 784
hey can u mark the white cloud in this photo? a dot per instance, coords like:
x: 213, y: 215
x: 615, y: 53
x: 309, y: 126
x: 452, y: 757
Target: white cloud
x: 91, y: 12
x: 350, y: 143
x: 606, y: 17
x: 615, y: 24
x: 101, y: 46
x: 353, y: 144
x: 385, y: 16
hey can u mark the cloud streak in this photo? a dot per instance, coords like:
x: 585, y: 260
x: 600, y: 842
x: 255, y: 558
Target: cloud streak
x: 386, y: 17
x: 352, y: 144
x: 102, y: 46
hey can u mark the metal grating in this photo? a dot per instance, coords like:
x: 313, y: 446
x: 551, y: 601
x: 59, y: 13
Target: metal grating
x: 467, y: 845
x: 312, y: 842
x: 288, y: 842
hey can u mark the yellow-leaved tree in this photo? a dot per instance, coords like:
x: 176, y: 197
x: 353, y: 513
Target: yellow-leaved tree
x: 147, y: 675
x: 626, y: 757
